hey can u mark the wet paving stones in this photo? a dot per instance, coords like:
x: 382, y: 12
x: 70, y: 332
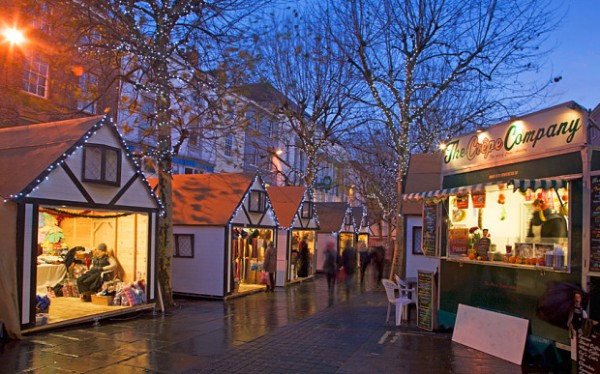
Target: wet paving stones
x: 299, y: 329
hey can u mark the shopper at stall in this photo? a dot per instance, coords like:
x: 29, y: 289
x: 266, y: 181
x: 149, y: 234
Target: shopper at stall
x: 270, y: 265
x: 550, y: 223
x: 331, y: 266
x: 349, y: 264
x: 303, y: 258
x: 91, y: 281
x: 363, y: 255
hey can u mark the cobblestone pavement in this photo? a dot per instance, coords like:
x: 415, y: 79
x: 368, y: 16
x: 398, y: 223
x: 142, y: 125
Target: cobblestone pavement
x: 299, y: 329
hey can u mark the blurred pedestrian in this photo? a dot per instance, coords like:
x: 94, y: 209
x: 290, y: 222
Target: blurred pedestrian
x: 349, y: 263
x: 270, y: 265
x: 331, y: 265
x: 379, y: 260
x: 363, y: 255
x: 303, y: 258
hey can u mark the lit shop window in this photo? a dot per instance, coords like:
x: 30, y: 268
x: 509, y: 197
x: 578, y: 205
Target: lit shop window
x: 35, y: 76
x: 102, y: 164
x: 528, y: 228
x: 184, y: 245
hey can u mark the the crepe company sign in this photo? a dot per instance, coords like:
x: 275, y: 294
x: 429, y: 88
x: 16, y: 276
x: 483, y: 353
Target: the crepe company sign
x: 517, y: 139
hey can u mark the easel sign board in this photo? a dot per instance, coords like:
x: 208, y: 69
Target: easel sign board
x: 588, y: 353
x: 426, y: 302
x: 503, y: 338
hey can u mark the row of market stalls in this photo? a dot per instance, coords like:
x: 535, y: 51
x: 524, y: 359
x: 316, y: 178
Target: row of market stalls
x: 515, y: 225
x: 72, y: 186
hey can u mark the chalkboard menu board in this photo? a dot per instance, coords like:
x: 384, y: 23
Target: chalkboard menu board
x: 426, y: 304
x: 588, y: 353
x: 595, y: 225
x: 429, y: 228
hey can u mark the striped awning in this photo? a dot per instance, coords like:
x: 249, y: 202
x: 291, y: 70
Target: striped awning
x: 518, y: 184
x: 536, y: 184
x: 445, y: 192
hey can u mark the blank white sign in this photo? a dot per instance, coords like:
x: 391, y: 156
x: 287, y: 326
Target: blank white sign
x: 494, y: 333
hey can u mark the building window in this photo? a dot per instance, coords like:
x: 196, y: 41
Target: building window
x: 35, y: 76
x: 88, y: 85
x: 184, y: 245
x: 257, y: 201
x: 229, y: 145
x: 307, y: 209
x: 101, y: 164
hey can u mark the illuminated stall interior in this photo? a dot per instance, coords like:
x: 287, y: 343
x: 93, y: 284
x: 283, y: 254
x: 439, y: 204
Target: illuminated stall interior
x: 66, y: 240
x: 248, y: 250
x: 295, y: 260
x: 521, y: 228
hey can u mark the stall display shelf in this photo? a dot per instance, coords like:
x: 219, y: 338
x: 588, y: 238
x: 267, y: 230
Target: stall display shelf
x: 506, y: 265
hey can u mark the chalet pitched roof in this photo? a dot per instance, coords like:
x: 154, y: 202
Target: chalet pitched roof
x: 331, y: 216
x: 207, y: 199
x: 357, y: 215
x: 286, y: 202
x: 27, y: 152
x: 423, y: 175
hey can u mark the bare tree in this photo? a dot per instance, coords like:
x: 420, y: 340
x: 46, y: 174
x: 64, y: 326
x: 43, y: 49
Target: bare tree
x: 313, y: 81
x: 415, y: 55
x: 162, y: 48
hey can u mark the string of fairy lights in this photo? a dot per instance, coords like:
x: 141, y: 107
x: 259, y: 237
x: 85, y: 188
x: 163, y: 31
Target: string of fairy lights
x: 45, y: 175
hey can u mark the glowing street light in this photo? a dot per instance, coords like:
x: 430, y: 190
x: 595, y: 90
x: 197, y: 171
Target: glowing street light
x: 13, y: 36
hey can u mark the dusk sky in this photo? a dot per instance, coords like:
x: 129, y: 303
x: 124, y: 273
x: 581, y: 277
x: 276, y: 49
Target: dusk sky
x: 577, y: 55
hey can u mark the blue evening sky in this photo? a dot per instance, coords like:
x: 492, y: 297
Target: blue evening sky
x: 577, y: 55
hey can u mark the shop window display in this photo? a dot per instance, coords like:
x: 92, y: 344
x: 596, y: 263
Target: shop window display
x: 302, y: 261
x: 248, y: 250
x: 67, y: 239
x: 509, y: 228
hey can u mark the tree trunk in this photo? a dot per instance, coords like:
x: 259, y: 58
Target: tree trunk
x: 399, y: 259
x: 165, y: 229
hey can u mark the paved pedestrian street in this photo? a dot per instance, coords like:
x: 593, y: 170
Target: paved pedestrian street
x: 299, y: 329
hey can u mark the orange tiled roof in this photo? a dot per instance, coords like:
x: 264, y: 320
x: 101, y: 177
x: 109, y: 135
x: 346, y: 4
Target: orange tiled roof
x: 331, y: 216
x: 207, y: 199
x: 27, y: 151
x: 286, y: 201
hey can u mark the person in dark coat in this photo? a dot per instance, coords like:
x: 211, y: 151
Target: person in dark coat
x: 349, y: 263
x: 303, y: 258
x: 553, y: 225
x: 270, y: 265
x: 331, y: 265
x: 91, y: 281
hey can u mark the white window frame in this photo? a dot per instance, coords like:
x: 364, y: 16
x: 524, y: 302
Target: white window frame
x: 35, y: 76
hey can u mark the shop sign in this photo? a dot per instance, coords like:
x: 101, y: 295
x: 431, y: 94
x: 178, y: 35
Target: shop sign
x: 462, y: 201
x: 517, y: 139
x: 478, y: 200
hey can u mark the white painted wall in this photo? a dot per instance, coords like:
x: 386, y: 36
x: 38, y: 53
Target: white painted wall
x: 416, y: 262
x: 282, y: 262
x: 205, y: 273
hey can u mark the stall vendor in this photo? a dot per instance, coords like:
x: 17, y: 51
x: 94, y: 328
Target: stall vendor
x: 553, y: 225
x: 91, y: 281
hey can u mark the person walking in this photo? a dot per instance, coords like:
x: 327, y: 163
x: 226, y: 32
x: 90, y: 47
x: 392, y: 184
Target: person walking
x: 349, y: 264
x: 303, y: 258
x: 270, y: 265
x: 331, y: 265
x: 363, y: 255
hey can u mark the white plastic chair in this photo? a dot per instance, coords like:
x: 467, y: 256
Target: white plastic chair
x: 406, y: 292
x: 400, y: 302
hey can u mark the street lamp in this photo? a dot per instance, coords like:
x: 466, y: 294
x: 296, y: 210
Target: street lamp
x: 13, y: 36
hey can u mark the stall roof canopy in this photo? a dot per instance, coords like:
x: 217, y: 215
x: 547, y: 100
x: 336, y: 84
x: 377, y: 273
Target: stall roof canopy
x: 331, y: 216
x: 517, y: 184
x: 423, y: 175
x: 27, y: 151
x: 207, y: 199
x: 286, y: 202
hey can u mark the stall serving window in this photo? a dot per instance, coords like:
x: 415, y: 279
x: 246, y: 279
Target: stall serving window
x: 72, y: 242
x: 302, y: 259
x: 248, y: 249
x: 507, y: 226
